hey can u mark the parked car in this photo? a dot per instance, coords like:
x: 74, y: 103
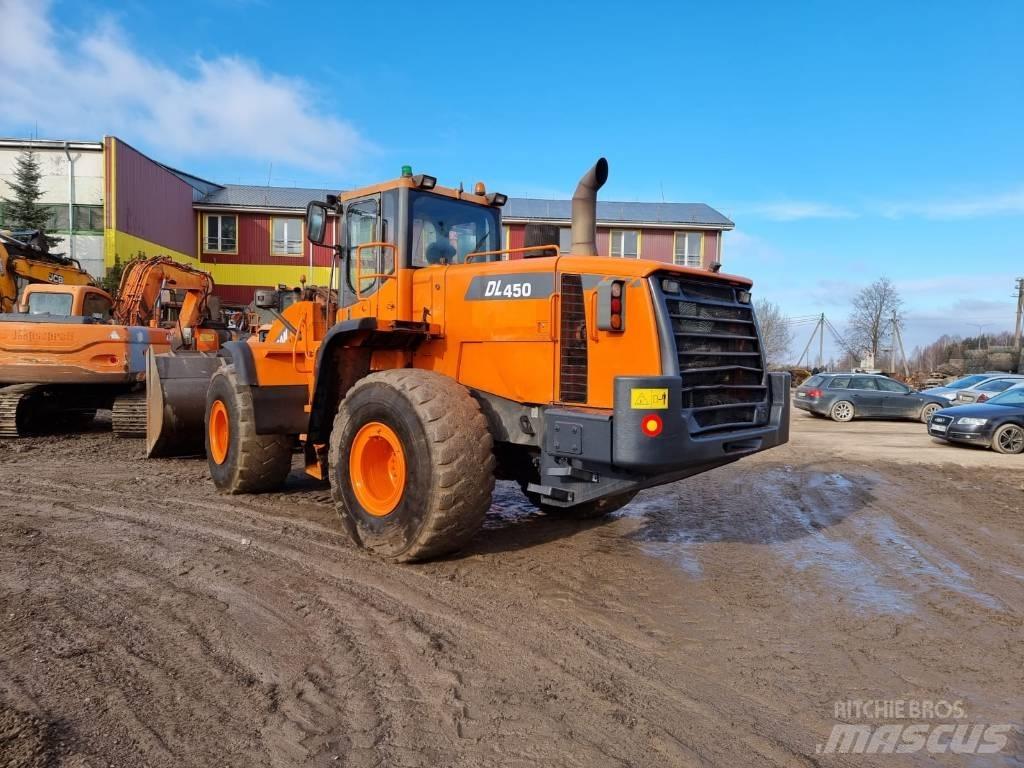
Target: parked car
x: 987, y: 389
x: 950, y: 391
x: 997, y: 424
x: 846, y: 396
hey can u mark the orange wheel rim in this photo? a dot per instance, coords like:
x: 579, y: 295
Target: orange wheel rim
x: 219, y: 430
x: 376, y: 468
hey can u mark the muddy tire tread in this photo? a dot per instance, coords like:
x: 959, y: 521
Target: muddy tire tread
x: 264, y: 461
x: 462, y: 452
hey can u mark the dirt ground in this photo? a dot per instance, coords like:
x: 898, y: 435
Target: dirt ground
x: 147, y: 620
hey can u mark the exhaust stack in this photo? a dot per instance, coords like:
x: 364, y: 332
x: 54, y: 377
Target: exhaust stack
x: 584, y: 209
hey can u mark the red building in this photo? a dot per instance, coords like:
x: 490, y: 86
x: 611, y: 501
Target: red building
x: 252, y: 236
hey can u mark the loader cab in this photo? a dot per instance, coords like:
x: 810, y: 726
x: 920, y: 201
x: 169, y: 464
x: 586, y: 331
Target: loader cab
x: 391, y: 231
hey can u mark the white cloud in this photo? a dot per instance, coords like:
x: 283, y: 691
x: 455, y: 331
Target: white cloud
x: 96, y: 82
x: 998, y: 204
x: 796, y: 210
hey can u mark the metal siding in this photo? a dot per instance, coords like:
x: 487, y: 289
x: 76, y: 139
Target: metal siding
x: 254, y: 243
x: 516, y: 238
x: 711, y: 240
x: 603, y: 246
x: 656, y: 244
x: 152, y: 203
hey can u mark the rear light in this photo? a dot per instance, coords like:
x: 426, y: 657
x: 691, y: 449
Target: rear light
x: 611, y: 301
x: 652, y: 425
x: 982, y: 398
x: 815, y: 393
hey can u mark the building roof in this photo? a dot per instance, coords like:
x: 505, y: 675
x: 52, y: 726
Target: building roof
x: 612, y: 212
x: 608, y: 213
x: 260, y: 197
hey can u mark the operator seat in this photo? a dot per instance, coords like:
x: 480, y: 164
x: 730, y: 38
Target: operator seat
x: 440, y: 252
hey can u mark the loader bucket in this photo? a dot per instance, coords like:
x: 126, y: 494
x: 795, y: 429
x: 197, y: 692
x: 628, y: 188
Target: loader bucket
x: 176, y: 385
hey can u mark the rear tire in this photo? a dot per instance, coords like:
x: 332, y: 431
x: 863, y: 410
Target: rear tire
x: 241, y: 461
x: 1009, y: 438
x: 411, y: 464
x: 928, y: 411
x: 841, y: 411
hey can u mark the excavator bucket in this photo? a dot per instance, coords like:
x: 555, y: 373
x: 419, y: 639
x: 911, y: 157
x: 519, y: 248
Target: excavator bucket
x: 176, y: 385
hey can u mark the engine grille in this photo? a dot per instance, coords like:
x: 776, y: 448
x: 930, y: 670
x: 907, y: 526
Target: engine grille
x: 719, y: 354
x: 572, y: 378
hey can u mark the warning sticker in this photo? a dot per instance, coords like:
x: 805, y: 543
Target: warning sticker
x: 648, y: 399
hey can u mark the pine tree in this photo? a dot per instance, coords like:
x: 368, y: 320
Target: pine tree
x: 23, y: 210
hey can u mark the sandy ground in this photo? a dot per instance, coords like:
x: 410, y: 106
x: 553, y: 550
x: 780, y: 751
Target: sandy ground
x: 147, y: 620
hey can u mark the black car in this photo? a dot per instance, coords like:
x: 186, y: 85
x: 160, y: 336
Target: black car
x: 845, y: 396
x: 997, y: 424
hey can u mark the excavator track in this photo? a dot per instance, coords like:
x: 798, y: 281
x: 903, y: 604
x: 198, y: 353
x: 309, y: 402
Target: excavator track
x: 15, y: 409
x: 128, y: 416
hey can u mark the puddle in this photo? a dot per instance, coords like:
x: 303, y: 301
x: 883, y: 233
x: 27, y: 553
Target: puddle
x: 919, y: 561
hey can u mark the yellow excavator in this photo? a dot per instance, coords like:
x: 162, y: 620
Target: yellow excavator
x: 28, y: 261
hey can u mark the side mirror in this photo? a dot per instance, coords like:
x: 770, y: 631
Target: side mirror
x: 316, y: 222
x: 265, y: 298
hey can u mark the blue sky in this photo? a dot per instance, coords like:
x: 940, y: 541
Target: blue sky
x: 847, y: 141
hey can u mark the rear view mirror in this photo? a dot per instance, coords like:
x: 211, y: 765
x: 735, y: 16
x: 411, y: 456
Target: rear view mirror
x: 316, y: 222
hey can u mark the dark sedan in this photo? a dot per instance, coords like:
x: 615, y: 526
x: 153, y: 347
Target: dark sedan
x: 997, y: 424
x: 846, y: 396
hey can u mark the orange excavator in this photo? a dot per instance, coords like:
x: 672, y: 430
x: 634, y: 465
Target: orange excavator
x: 72, y: 349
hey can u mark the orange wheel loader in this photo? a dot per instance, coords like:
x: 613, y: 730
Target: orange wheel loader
x: 73, y: 349
x: 582, y: 378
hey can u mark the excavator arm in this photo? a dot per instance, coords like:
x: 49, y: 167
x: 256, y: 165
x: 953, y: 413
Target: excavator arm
x: 138, y: 298
x: 20, y: 262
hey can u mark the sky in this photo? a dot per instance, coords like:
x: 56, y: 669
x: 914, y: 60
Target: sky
x: 848, y: 141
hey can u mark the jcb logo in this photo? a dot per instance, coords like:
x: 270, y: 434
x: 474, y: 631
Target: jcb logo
x: 497, y: 288
x: 55, y: 278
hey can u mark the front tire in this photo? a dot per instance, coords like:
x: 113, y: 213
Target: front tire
x: 411, y: 464
x: 1009, y: 438
x: 241, y: 461
x: 841, y: 411
x: 928, y: 411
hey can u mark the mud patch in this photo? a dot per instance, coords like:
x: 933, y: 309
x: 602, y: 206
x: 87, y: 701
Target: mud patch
x: 26, y: 741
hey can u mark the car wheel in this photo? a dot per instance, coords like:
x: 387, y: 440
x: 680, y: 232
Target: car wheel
x: 1009, y: 438
x: 928, y: 411
x: 841, y: 410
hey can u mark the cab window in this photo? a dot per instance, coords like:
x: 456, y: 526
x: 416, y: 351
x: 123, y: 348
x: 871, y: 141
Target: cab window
x: 446, y: 230
x: 863, y: 382
x: 362, y: 220
x: 50, y: 304
x: 96, y: 305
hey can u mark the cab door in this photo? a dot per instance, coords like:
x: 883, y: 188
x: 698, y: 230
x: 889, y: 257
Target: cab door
x: 369, y: 288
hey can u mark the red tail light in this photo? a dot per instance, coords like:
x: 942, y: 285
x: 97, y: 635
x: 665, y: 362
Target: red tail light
x: 815, y: 393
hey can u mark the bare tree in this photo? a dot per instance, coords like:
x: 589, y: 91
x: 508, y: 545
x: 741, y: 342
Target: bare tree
x: 776, y: 335
x: 871, y: 319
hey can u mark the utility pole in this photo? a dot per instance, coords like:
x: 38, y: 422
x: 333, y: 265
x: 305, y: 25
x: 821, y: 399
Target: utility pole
x: 897, y: 341
x: 1020, y: 321
x: 821, y: 341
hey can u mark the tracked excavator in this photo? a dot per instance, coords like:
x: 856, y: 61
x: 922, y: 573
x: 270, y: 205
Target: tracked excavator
x: 28, y: 261
x: 70, y: 350
x: 584, y: 379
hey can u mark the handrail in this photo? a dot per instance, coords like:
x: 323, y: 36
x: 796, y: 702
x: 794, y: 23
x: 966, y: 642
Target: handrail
x: 511, y: 251
x: 378, y: 275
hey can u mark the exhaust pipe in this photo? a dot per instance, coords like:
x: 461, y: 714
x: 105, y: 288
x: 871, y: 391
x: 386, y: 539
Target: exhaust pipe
x: 584, y: 210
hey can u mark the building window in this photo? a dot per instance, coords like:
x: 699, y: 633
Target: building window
x: 221, y: 233
x: 565, y: 240
x: 287, y: 239
x: 687, y: 249
x: 625, y: 243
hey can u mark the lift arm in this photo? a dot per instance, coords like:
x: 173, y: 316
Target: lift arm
x: 138, y: 297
